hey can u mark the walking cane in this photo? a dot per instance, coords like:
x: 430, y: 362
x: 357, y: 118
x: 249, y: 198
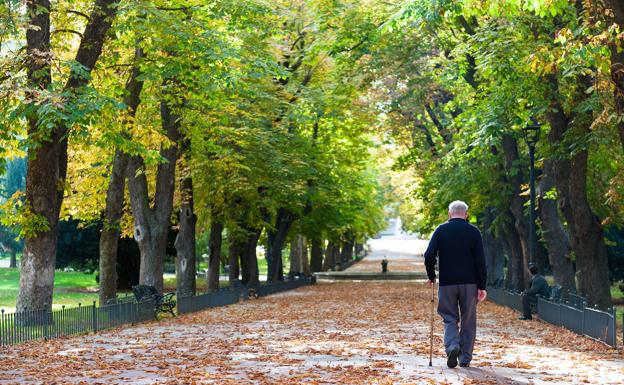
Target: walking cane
x: 431, y: 334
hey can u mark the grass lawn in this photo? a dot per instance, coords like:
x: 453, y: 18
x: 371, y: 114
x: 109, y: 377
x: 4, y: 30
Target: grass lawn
x: 70, y: 288
x: 618, y: 297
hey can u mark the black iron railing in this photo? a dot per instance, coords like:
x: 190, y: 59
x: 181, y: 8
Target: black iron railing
x: 570, y: 312
x: 32, y: 325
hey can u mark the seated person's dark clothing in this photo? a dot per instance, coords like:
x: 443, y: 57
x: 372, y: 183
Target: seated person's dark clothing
x: 539, y: 286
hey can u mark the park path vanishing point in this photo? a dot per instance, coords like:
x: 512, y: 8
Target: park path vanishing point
x: 373, y: 332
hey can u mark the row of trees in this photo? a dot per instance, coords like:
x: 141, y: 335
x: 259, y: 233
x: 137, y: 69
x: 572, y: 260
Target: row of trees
x: 227, y: 117
x: 461, y: 81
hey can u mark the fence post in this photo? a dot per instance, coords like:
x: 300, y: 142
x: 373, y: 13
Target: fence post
x: 94, y: 315
x: 46, y: 322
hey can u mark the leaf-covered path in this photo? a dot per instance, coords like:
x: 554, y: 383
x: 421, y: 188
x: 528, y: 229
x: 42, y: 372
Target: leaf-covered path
x: 372, y: 332
x: 331, y: 333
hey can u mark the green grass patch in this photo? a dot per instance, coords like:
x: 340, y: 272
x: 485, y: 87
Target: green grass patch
x: 70, y: 288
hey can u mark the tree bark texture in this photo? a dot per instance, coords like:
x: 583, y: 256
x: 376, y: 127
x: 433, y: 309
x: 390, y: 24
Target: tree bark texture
x: 13, y: 259
x: 299, y: 262
x: 214, y: 253
x: 235, y: 249
x: 251, y: 274
x: 346, y: 253
x: 617, y: 64
x: 516, y: 266
x: 109, y: 239
x: 554, y: 233
x: 516, y: 179
x: 316, y: 255
x: 277, y: 238
x: 185, y: 241
x: 151, y: 224
x: 47, y: 162
x: 329, y: 263
x: 494, y: 254
x: 586, y: 233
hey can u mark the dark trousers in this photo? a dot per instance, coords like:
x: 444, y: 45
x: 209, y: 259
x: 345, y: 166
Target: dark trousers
x: 459, y: 303
x: 527, y: 301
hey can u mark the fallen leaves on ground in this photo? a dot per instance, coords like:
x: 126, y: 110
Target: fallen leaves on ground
x: 330, y: 333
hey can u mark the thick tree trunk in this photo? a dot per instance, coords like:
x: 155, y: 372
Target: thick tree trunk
x: 13, y: 259
x: 617, y: 64
x: 494, y: 256
x: 277, y: 238
x: 329, y: 263
x: 516, y: 267
x: 214, y: 253
x: 109, y: 239
x: 251, y: 274
x: 151, y: 224
x: 47, y: 162
x: 346, y: 253
x: 515, y: 179
x: 316, y: 255
x: 586, y: 235
x: 299, y: 256
x: 185, y: 241
x: 554, y: 233
x: 235, y: 249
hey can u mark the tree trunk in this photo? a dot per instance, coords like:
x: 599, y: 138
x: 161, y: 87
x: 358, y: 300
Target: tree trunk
x: 151, y: 224
x: 47, y: 162
x: 554, y: 233
x: 185, y: 241
x: 214, y: 253
x: 251, y: 273
x: 329, y: 263
x: 346, y: 254
x: 296, y: 245
x: 235, y: 249
x: 13, y: 260
x: 515, y: 179
x: 586, y: 235
x: 494, y: 257
x: 617, y: 64
x: 316, y: 257
x: 284, y: 221
x: 516, y: 267
x: 109, y: 239
x: 299, y: 256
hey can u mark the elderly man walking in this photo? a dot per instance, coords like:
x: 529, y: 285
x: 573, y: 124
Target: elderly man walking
x: 456, y: 246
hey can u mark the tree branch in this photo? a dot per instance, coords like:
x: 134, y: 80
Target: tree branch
x: 67, y: 31
x: 79, y: 14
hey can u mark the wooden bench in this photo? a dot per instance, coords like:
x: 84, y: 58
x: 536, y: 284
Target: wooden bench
x: 163, y: 303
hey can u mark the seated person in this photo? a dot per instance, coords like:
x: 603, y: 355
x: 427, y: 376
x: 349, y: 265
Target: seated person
x: 539, y: 286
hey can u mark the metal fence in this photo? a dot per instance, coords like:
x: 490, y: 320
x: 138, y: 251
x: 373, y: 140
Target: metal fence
x: 571, y: 313
x: 193, y: 303
x: 31, y: 325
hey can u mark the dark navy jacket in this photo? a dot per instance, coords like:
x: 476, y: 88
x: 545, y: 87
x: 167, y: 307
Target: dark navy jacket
x: 458, y: 248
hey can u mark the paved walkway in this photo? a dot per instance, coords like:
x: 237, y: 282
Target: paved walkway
x: 403, y: 252
x: 330, y: 333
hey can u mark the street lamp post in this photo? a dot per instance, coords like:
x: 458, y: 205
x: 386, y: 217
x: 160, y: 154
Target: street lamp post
x: 531, y: 136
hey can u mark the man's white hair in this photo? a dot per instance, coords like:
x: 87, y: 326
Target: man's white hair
x: 458, y: 207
